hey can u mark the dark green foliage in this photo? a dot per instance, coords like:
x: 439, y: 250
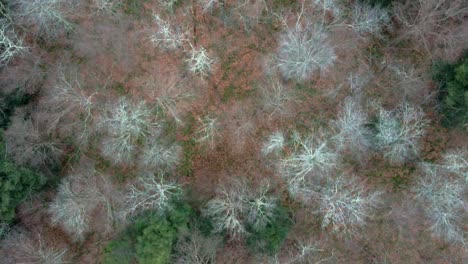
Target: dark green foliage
x: 8, y: 103
x: 270, y: 239
x: 16, y: 183
x: 150, y: 238
x: 134, y: 8
x: 382, y: 3
x: 453, y: 91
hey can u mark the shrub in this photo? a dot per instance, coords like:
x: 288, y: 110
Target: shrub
x: 270, y: 237
x: 453, y: 91
x: 149, y: 238
x: 16, y: 183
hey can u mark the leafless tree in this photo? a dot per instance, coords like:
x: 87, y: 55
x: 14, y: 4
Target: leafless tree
x: 275, y: 97
x: 157, y: 155
x: 237, y: 205
x: 208, y: 5
x: 432, y: 23
x: 456, y: 161
x: 126, y: 123
x: 260, y: 207
x: 345, y: 204
x: 208, y: 130
x: 274, y: 144
x: 47, y: 17
x: 444, y: 201
x: 195, y: 248
x: 28, y: 144
x: 227, y: 209
x: 70, y: 209
x: 72, y: 102
x: 399, y: 131
x: 303, y: 50
x: 167, y: 36
x: 200, y: 62
x: 310, y: 159
x: 350, y: 124
x: 368, y: 19
x: 12, y: 45
x: 151, y: 193
x: 107, y: 7
x: 24, y: 247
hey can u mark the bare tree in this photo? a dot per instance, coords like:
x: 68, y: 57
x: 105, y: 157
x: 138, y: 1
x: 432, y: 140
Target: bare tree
x: 28, y: 144
x: 167, y: 36
x: 199, y: 61
x: 310, y: 159
x: 208, y: 130
x: 345, y: 204
x: 444, y: 200
x: 432, y: 23
x: 106, y: 7
x: 150, y: 193
x: 329, y: 5
x: 275, y: 96
x: 274, y: 144
x: 72, y: 102
x: 260, y: 207
x: 208, y: 5
x: 46, y: 16
x: 70, y: 209
x: 195, y: 248
x: 350, y: 124
x: 304, y: 49
x: 398, y: 132
x: 369, y: 19
x: 28, y: 248
x: 11, y: 43
x: 168, y: 4
x: 126, y: 123
x: 227, y: 209
x: 238, y: 205
x: 456, y: 161
x: 157, y: 155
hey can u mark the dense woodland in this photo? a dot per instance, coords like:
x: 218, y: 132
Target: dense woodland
x: 233, y: 131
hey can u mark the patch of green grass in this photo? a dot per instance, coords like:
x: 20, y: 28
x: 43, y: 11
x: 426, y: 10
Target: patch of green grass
x: 119, y: 88
x: 233, y: 92
x: 306, y: 89
x: 134, y: 8
x: 186, y: 166
x: 189, y: 125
